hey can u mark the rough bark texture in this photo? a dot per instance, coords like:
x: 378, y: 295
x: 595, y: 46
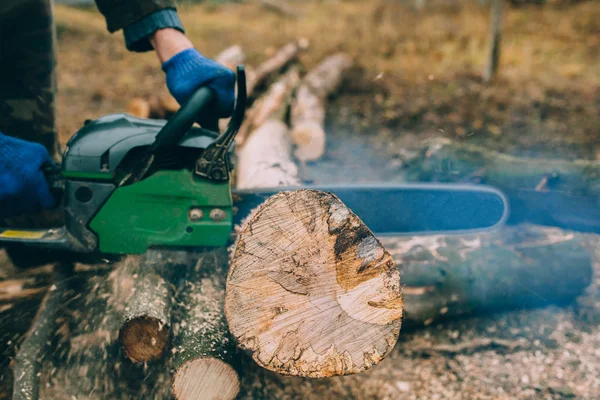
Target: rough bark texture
x: 308, y: 109
x: 311, y: 292
x: 519, y: 267
x: 89, y: 363
x: 33, y: 350
x: 146, y: 330
x: 273, y: 105
x: 495, y: 39
x: 540, y: 191
x: 203, y: 356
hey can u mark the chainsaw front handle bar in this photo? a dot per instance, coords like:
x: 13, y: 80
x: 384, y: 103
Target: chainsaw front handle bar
x: 193, y: 110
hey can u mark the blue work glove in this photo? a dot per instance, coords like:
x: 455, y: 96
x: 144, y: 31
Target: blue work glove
x: 188, y: 70
x: 23, y: 186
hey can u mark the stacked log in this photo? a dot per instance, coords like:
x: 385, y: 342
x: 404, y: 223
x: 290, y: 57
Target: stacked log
x: 146, y: 329
x: 204, y: 355
x: 308, y: 110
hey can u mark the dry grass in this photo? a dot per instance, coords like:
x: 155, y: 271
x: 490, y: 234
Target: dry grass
x: 545, y: 50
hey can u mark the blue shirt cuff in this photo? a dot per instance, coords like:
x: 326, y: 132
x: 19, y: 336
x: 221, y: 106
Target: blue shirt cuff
x: 137, y: 33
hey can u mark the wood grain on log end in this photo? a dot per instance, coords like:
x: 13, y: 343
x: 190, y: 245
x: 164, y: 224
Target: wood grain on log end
x: 311, y: 292
x: 206, y: 378
x: 144, y: 339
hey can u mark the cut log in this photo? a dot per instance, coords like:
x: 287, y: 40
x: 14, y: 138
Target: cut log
x: 308, y: 109
x: 273, y: 105
x: 204, y: 352
x: 549, y: 192
x: 284, y: 56
x: 520, y: 267
x: 495, y: 39
x: 146, y: 330
x: 89, y: 364
x: 32, y: 353
x: 311, y: 292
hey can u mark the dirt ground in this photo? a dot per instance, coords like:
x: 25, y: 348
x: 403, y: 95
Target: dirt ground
x: 417, y: 76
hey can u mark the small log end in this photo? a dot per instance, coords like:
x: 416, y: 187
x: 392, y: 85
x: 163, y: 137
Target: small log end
x: 206, y: 378
x: 144, y: 339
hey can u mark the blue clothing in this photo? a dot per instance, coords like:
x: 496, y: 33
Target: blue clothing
x: 23, y: 186
x: 189, y: 70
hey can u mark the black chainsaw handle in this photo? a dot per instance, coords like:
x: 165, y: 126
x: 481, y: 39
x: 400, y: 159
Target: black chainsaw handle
x: 180, y: 123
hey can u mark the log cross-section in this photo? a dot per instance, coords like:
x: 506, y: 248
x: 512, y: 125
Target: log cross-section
x: 203, y: 358
x: 311, y: 292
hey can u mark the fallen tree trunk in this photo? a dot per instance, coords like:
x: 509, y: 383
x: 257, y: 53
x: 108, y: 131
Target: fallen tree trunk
x: 146, y: 331
x: 551, y: 192
x: 311, y: 292
x: 520, y: 267
x: 32, y: 352
x: 308, y: 109
x: 204, y: 352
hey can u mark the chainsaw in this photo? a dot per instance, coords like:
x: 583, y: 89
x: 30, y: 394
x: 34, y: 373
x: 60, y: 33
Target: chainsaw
x: 128, y: 184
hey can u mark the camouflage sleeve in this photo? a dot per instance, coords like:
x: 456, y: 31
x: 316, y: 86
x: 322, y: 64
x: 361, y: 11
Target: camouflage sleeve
x: 120, y: 13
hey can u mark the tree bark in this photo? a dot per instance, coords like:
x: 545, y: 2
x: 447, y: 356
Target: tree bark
x: 204, y: 352
x: 550, y: 192
x: 311, y: 292
x: 308, y: 109
x: 520, y: 267
x: 495, y: 40
x: 89, y: 363
x: 146, y: 331
x: 32, y: 353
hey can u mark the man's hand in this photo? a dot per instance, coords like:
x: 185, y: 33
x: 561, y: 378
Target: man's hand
x: 187, y: 70
x: 23, y: 186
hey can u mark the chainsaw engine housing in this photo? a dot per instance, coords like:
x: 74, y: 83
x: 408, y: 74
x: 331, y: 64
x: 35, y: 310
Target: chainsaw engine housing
x: 171, y: 206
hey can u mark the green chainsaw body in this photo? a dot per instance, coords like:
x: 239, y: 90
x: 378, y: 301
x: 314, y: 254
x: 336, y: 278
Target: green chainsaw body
x: 171, y: 207
x: 167, y: 209
x: 127, y: 184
